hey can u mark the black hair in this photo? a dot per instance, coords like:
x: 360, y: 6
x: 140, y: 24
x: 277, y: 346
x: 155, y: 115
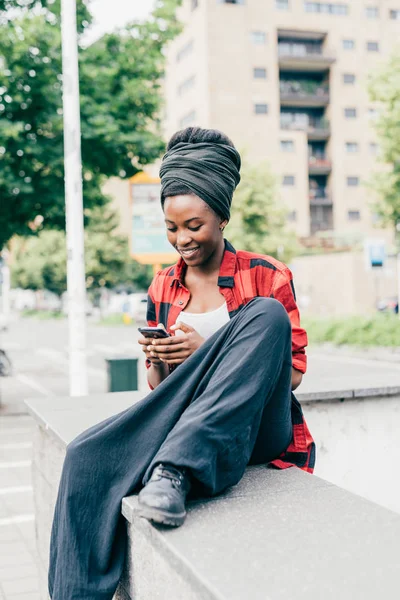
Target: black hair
x: 192, y: 135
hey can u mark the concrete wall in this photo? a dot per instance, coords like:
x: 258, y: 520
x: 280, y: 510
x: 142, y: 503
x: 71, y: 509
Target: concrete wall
x: 358, y: 445
x: 339, y: 284
x: 357, y: 449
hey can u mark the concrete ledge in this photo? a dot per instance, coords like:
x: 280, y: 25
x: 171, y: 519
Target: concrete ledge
x: 277, y: 534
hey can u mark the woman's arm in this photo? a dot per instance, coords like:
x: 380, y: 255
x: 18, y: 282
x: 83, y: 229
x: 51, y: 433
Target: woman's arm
x: 297, y: 376
x: 156, y: 373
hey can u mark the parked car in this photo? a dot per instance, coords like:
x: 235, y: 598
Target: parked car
x: 138, y: 306
x: 389, y: 305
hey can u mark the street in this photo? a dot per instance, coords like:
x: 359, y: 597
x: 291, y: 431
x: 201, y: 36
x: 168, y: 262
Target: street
x: 39, y: 353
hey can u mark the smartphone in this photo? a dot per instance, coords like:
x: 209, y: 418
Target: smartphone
x: 153, y: 332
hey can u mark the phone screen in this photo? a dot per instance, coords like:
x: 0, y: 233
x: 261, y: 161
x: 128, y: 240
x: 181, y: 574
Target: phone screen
x: 153, y: 332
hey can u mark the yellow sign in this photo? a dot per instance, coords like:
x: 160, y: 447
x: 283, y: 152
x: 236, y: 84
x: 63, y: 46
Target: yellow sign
x: 148, y: 244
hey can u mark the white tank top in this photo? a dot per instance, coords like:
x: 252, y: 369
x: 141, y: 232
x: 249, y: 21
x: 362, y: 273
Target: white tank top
x: 204, y: 323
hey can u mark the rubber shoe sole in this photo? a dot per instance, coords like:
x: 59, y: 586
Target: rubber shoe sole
x: 161, y: 517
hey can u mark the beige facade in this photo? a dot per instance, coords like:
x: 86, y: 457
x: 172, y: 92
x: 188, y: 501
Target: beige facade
x: 341, y: 284
x: 287, y: 81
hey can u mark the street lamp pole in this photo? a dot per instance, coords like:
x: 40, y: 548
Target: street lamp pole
x: 74, y: 202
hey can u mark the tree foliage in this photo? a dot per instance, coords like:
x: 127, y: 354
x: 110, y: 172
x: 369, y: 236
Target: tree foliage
x: 40, y: 262
x: 120, y: 106
x: 385, y: 89
x: 258, y: 222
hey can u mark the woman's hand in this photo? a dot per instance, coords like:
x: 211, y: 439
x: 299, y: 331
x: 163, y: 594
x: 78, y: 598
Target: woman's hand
x: 145, y: 342
x: 175, y: 350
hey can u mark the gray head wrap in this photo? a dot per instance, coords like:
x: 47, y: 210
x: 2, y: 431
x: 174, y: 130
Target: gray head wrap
x: 209, y: 170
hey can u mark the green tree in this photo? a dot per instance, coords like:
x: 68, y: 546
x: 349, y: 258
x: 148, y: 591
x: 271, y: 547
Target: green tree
x: 258, y: 223
x: 40, y: 262
x: 120, y: 106
x: 385, y: 88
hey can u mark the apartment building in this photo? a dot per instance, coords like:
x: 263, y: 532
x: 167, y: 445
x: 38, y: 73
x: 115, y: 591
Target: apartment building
x: 287, y: 81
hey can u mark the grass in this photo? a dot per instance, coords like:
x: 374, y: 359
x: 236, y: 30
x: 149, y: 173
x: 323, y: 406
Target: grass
x: 43, y: 314
x: 116, y: 319
x: 378, y: 330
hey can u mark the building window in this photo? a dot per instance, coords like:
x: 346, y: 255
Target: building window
x: 349, y: 78
x: 322, y: 7
x: 259, y: 73
x: 291, y: 216
x: 261, y: 109
x: 186, y: 85
x: 288, y: 180
x: 195, y: 4
x: 282, y: 4
x: 373, y: 113
x: 287, y: 145
x: 231, y: 1
x: 353, y: 181
x: 372, y: 46
x: 185, y: 51
x: 348, y: 44
x: 350, y: 113
x: 353, y: 215
x: 351, y: 147
x: 371, y: 12
x: 395, y: 15
x: 187, y: 120
x: 259, y: 38
x: 373, y: 148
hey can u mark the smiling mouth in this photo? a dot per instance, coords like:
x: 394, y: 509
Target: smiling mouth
x: 188, y: 252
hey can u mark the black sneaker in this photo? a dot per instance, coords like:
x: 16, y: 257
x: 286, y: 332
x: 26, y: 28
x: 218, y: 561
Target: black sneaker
x: 162, y: 500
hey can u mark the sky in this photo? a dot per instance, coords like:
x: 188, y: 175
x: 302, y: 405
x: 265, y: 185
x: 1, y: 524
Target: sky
x: 109, y: 14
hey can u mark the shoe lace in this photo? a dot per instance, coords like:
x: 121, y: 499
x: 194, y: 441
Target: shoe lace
x: 170, y: 473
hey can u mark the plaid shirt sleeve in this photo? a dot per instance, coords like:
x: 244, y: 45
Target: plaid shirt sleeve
x: 151, y: 317
x: 283, y: 290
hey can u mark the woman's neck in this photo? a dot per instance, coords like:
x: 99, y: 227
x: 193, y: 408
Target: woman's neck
x: 212, y: 266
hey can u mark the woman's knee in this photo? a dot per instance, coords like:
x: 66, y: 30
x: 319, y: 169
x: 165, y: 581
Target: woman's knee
x: 270, y: 310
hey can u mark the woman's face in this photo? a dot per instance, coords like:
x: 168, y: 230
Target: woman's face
x: 193, y: 228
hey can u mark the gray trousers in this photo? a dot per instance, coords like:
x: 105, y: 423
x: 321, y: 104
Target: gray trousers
x: 227, y: 406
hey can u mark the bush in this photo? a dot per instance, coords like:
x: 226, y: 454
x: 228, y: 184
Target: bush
x: 378, y: 330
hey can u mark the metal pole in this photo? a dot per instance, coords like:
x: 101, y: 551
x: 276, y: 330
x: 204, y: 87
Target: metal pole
x: 74, y: 203
x: 398, y: 282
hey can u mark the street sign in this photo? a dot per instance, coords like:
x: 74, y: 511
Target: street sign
x: 149, y: 243
x: 375, y: 253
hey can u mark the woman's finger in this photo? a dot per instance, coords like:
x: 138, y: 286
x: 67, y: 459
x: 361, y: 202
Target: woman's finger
x: 175, y: 361
x: 169, y: 341
x: 164, y: 350
x: 173, y: 355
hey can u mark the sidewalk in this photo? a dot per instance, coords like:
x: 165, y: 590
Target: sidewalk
x: 18, y: 569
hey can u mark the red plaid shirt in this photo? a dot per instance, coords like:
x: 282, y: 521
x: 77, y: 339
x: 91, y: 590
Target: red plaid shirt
x: 243, y: 276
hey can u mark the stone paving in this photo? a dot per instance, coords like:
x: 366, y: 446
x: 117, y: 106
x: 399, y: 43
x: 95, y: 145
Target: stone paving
x: 19, y: 578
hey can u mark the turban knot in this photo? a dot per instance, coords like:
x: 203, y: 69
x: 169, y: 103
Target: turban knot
x: 209, y: 170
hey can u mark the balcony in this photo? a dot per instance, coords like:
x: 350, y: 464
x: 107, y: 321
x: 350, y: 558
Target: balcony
x: 316, y: 129
x: 321, y: 217
x: 303, y: 57
x: 320, y: 197
x: 319, y: 165
x: 303, y: 93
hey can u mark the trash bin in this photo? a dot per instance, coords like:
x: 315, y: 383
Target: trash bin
x: 122, y: 372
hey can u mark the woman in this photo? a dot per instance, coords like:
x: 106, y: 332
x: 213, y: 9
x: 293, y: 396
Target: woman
x: 221, y: 382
